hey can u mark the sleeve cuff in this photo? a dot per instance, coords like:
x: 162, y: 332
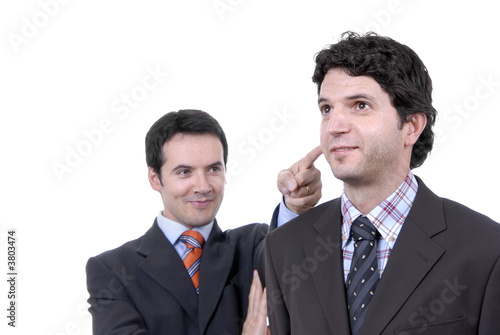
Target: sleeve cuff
x: 285, y: 214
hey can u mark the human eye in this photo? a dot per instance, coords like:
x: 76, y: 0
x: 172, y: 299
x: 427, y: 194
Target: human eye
x: 361, y: 105
x: 215, y: 169
x: 183, y: 172
x: 325, y: 109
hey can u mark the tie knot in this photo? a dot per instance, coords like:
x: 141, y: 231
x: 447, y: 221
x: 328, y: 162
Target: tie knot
x: 192, y: 238
x: 363, y: 229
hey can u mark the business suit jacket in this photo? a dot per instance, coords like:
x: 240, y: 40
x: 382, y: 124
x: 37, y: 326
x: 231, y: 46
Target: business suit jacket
x: 143, y: 287
x: 443, y: 275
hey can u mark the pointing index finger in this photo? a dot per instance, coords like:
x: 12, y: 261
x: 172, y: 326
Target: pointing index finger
x: 311, y: 157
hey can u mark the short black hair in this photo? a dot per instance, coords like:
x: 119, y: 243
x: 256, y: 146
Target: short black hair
x: 184, y: 121
x: 396, y: 68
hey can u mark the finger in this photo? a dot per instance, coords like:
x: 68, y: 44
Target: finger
x: 311, y: 176
x: 304, y: 197
x: 301, y: 192
x: 254, y: 295
x: 310, y: 158
x: 286, y: 182
x: 301, y: 205
x: 258, y: 284
x: 287, y: 179
x: 263, y: 304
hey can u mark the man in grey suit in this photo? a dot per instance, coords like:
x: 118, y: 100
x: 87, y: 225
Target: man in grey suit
x: 389, y: 256
x: 144, y: 287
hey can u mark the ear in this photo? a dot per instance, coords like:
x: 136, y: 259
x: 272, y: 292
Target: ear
x: 154, y: 179
x: 415, y: 127
x: 225, y: 174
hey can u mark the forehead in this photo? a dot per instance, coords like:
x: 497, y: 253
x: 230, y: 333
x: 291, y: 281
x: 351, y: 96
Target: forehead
x: 338, y: 82
x: 192, y: 148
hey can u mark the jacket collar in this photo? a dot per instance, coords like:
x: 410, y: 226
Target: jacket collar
x: 163, y: 264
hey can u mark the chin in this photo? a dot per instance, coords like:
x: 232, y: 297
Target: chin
x: 341, y: 174
x: 203, y: 221
x: 346, y: 176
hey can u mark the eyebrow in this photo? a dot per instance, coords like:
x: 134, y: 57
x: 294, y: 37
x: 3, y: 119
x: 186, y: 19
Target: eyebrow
x: 361, y: 96
x: 351, y: 97
x: 184, y: 166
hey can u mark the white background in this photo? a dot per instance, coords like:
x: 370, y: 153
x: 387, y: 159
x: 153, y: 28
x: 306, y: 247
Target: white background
x: 66, y: 67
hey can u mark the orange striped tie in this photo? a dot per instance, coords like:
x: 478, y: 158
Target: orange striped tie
x: 192, y: 257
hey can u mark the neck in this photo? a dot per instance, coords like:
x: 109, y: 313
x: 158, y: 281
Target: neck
x: 365, y: 196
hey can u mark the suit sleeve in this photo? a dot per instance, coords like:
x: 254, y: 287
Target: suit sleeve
x: 259, y: 251
x: 279, y: 319
x: 490, y: 311
x: 258, y: 258
x: 274, y: 218
x: 281, y: 215
x: 112, y: 310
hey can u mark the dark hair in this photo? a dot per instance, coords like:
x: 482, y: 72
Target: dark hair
x: 186, y: 121
x: 396, y: 68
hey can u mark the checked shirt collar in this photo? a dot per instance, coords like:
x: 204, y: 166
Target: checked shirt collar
x: 388, y: 217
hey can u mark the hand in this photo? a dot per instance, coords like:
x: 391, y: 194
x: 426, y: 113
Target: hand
x: 301, y: 183
x: 256, y: 322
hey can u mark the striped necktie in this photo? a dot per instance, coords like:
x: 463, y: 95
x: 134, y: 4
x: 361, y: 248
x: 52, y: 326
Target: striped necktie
x: 192, y: 256
x: 363, y: 276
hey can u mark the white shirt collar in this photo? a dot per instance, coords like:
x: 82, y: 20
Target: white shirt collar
x: 172, y: 229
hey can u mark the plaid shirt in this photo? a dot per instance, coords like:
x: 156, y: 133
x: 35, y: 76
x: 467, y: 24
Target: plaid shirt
x: 388, y: 217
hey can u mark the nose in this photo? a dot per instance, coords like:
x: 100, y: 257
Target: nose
x: 338, y: 122
x: 202, y: 184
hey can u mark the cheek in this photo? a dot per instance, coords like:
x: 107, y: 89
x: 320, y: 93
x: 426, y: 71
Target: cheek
x: 177, y: 188
x: 323, y: 133
x: 325, y: 144
x: 221, y: 184
x: 218, y: 183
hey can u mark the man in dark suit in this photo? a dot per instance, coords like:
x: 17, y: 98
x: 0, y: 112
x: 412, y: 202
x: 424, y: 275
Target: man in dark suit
x: 157, y: 284
x: 388, y: 256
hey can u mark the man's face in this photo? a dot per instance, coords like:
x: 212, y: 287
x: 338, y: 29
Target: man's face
x: 192, y: 178
x: 361, y: 133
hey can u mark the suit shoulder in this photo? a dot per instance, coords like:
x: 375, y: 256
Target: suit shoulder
x: 249, y: 231
x: 456, y: 212
x: 318, y: 210
x: 124, y: 251
x: 305, y: 220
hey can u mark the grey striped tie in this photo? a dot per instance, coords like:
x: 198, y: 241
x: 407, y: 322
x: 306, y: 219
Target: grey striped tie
x: 363, y: 276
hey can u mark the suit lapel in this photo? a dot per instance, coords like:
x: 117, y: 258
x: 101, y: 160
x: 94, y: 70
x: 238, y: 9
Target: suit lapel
x: 215, y: 266
x: 413, y: 256
x: 163, y: 264
x: 329, y: 277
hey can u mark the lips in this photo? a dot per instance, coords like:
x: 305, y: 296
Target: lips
x: 342, y: 149
x: 201, y: 202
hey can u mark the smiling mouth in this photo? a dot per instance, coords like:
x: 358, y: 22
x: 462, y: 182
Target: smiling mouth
x: 201, y: 203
